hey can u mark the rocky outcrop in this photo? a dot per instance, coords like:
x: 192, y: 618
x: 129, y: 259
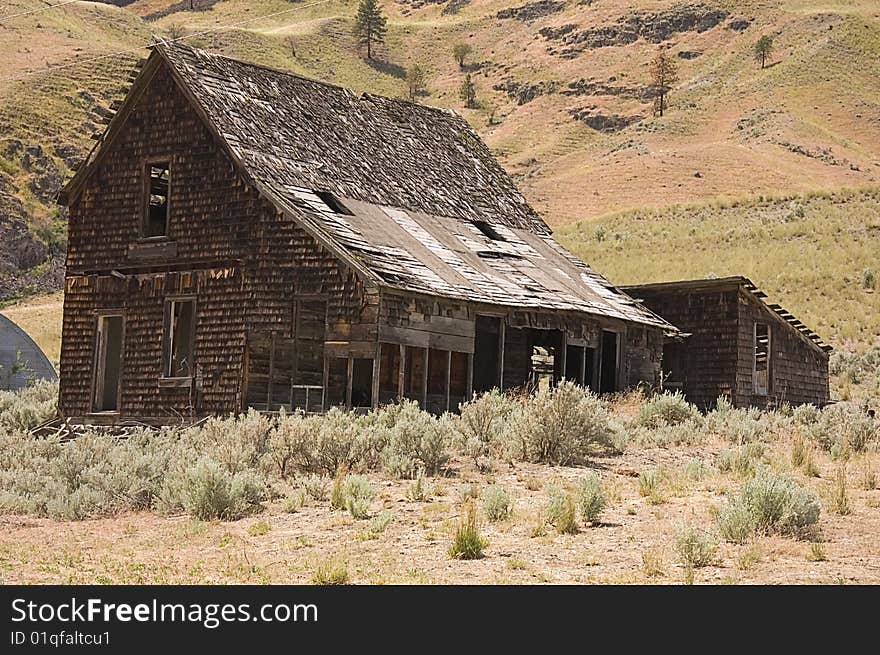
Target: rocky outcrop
x: 525, y: 92
x: 688, y: 54
x: 532, y: 11
x: 454, y: 6
x: 593, y: 118
x: 592, y: 87
x: 655, y: 27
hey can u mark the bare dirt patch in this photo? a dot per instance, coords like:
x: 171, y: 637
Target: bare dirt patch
x: 632, y: 543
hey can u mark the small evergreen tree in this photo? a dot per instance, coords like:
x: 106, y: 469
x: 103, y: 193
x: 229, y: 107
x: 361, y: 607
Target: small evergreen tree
x: 468, y: 92
x: 460, y: 51
x: 763, y: 48
x: 664, y: 73
x: 415, y: 82
x: 370, y: 25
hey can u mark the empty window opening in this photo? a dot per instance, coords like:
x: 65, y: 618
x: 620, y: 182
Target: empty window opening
x: 574, y: 364
x: 334, y: 203
x: 108, y: 363
x: 389, y: 372
x: 608, y: 366
x: 762, y: 358
x: 309, y: 333
x: 487, y: 341
x: 159, y: 183
x: 362, y: 382
x: 414, y: 369
x: 438, y: 374
x: 179, y: 331
x: 488, y: 231
x: 543, y: 365
x: 337, y: 375
x: 458, y: 380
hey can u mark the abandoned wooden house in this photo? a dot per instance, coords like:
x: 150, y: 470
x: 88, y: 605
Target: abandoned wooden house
x: 244, y: 237
x: 755, y: 354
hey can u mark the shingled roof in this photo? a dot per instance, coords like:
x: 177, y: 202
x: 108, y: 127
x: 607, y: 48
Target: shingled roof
x: 417, y: 188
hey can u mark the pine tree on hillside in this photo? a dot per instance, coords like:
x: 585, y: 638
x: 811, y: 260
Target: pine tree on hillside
x: 468, y: 92
x: 415, y: 82
x: 763, y: 48
x: 664, y: 73
x: 370, y: 25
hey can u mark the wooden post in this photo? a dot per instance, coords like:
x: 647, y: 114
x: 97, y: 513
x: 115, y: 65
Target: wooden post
x: 271, y: 372
x: 584, y: 367
x: 469, y: 389
x: 401, y: 372
x: 325, y: 379
x: 425, y: 380
x: 377, y: 364
x: 448, y: 375
x: 563, y: 359
x: 348, y: 375
x: 502, y: 335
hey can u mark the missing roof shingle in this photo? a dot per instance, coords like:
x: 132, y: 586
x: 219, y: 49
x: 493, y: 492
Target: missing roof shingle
x: 333, y: 203
x: 488, y: 230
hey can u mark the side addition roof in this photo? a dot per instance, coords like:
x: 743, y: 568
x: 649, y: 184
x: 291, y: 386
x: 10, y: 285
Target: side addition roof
x: 414, y: 182
x: 734, y: 281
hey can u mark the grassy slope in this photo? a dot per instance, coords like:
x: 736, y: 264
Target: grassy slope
x: 809, y: 253
x: 731, y: 122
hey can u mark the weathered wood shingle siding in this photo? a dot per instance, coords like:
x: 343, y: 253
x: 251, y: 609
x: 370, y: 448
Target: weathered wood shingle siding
x: 798, y: 371
x: 212, y: 212
x: 718, y: 357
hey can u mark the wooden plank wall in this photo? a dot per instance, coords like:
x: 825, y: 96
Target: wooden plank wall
x: 798, y: 371
x: 711, y: 352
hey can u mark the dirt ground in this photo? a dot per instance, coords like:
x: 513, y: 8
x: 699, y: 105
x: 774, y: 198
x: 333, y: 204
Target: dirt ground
x: 634, y: 544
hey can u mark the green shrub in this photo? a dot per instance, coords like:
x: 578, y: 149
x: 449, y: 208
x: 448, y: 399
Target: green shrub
x: 496, y: 503
x: 560, y: 425
x: 740, y: 460
x: 481, y: 426
x: 315, y: 486
x: 561, y: 512
x: 293, y: 444
x: 209, y: 491
x: 467, y: 542
x: 695, y: 548
x: 381, y: 522
x: 358, y: 494
x: 591, y: 498
x: 27, y: 408
x: 649, y: 485
x: 418, y: 490
x: 667, y: 409
x: 331, y: 572
x: 416, y: 441
x: 839, y: 496
x: 771, y: 504
x: 736, y: 522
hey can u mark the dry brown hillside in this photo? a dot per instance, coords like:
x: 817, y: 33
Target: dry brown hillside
x: 562, y: 89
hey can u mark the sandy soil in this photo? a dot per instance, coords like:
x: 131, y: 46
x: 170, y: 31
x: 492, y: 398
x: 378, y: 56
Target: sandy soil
x: 280, y: 547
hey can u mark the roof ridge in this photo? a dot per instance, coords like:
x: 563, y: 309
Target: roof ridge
x: 163, y: 44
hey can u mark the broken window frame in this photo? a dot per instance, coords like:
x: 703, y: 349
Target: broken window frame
x: 168, y: 336
x: 99, y: 350
x: 146, y: 220
x: 759, y: 388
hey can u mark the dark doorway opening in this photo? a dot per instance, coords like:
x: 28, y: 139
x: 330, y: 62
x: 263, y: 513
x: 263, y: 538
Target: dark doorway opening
x: 574, y: 364
x: 590, y: 369
x: 109, y: 364
x: 362, y: 382
x: 608, y: 369
x: 486, y: 349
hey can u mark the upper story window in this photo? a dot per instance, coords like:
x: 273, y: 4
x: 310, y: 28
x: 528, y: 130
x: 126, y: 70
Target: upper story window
x: 179, y: 338
x: 158, y: 196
